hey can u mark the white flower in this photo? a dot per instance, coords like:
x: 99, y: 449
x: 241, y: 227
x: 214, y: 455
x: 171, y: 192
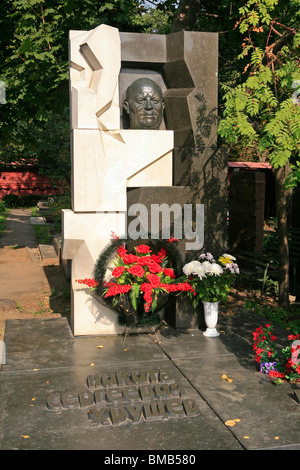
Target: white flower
x: 200, y: 271
x: 207, y: 266
x: 230, y: 267
x: 216, y: 269
x: 233, y: 268
x: 232, y: 258
x: 187, y: 269
x: 236, y: 268
x: 191, y: 267
x: 207, y: 256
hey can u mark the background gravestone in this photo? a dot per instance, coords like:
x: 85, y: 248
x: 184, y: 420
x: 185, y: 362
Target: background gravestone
x: 246, y: 211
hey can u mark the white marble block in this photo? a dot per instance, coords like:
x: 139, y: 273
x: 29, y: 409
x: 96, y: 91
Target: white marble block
x: 104, y: 164
x: 95, y: 61
x: 106, y: 160
x: 85, y: 235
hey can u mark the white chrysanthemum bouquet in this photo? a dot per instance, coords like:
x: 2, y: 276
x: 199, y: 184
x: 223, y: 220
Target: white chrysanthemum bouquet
x: 210, y: 279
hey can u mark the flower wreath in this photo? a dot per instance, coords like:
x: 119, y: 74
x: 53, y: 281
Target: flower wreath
x: 153, y: 270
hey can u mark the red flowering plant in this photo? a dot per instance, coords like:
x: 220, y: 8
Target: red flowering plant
x: 141, y: 282
x: 267, y: 356
x: 265, y: 348
x: 292, y: 356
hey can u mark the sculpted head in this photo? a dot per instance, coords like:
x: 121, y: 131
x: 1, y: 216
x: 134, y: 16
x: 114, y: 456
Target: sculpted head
x: 144, y: 103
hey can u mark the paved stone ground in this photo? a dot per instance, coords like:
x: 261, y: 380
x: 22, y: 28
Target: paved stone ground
x: 31, y: 285
x: 47, y: 368
x: 60, y: 392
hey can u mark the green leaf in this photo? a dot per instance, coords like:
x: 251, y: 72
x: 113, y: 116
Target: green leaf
x: 277, y: 381
x: 134, y: 293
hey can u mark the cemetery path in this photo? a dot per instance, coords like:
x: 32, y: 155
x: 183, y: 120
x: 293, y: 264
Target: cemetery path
x: 29, y: 288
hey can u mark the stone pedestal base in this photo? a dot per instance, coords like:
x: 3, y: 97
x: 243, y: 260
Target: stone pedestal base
x: 181, y: 314
x: 91, y: 317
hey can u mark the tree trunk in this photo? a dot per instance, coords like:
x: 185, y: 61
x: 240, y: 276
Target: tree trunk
x: 283, y: 253
x: 186, y: 15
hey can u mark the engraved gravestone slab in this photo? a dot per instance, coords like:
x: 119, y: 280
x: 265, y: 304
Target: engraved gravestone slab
x: 128, y: 397
x: 70, y: 408
x: 58, y: 392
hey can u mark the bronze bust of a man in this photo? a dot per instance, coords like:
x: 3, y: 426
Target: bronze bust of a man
x: 144, y: 104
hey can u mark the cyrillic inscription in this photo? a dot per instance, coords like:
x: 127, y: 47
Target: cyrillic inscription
x: 128, y: 397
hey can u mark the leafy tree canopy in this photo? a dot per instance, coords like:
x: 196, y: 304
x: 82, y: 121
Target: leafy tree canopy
x: 263, y: 112
x: 34, y: 123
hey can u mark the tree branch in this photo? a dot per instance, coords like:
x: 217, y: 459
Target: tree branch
x: 277, y: 46
x: 186, y: 16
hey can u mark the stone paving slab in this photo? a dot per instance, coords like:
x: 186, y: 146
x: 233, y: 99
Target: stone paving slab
x: 266, y: 415
x: 18, y: 230
x: 51, y: 344
x: 40, y: 365
x: 38, y: 221
x: 48, y: 254
x: 26, y: 423
x: 21, y: 278
x: 48, y: 369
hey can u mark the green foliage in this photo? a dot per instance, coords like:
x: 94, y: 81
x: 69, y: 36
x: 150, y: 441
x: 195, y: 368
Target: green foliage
x: 263, y: 112
x: 3, y: 216
x: 42, y: 233
x: 154, y: 22
x: 4, y: 211
x: 34, y: 125
x: 56, y: 204
x: 294, y: 177
x: 13, y: 200
x: 255, y: 12
x: 289, y: 320
x: 2, y: 206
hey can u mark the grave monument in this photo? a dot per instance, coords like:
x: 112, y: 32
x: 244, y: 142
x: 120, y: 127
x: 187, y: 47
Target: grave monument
x: 143, y: 130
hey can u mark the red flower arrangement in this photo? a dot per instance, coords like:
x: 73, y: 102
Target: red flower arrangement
x: 267, y: 355
x: 143, y: 273
x: 91, y: 283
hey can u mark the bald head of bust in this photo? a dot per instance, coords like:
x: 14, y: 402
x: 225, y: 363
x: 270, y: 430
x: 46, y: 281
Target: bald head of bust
x: 144, y: 104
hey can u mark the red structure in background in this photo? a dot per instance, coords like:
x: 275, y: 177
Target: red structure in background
x: 25, y: 183
x: 252, y: 166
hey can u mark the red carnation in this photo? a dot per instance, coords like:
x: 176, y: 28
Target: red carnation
x: 143, y: 249
x: 121, y: 251
x: 169, y: 272
x: 117, y: 289
x: 88, y: 282
x: 128, y: 259
x: 156, y: 258
x: 147, y: 289
x: 153, y: 279
x: 154, y: 267
x: 162, y: 253
x: 117, y: 272
x: 143, y: 260
x: 136, y: 270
